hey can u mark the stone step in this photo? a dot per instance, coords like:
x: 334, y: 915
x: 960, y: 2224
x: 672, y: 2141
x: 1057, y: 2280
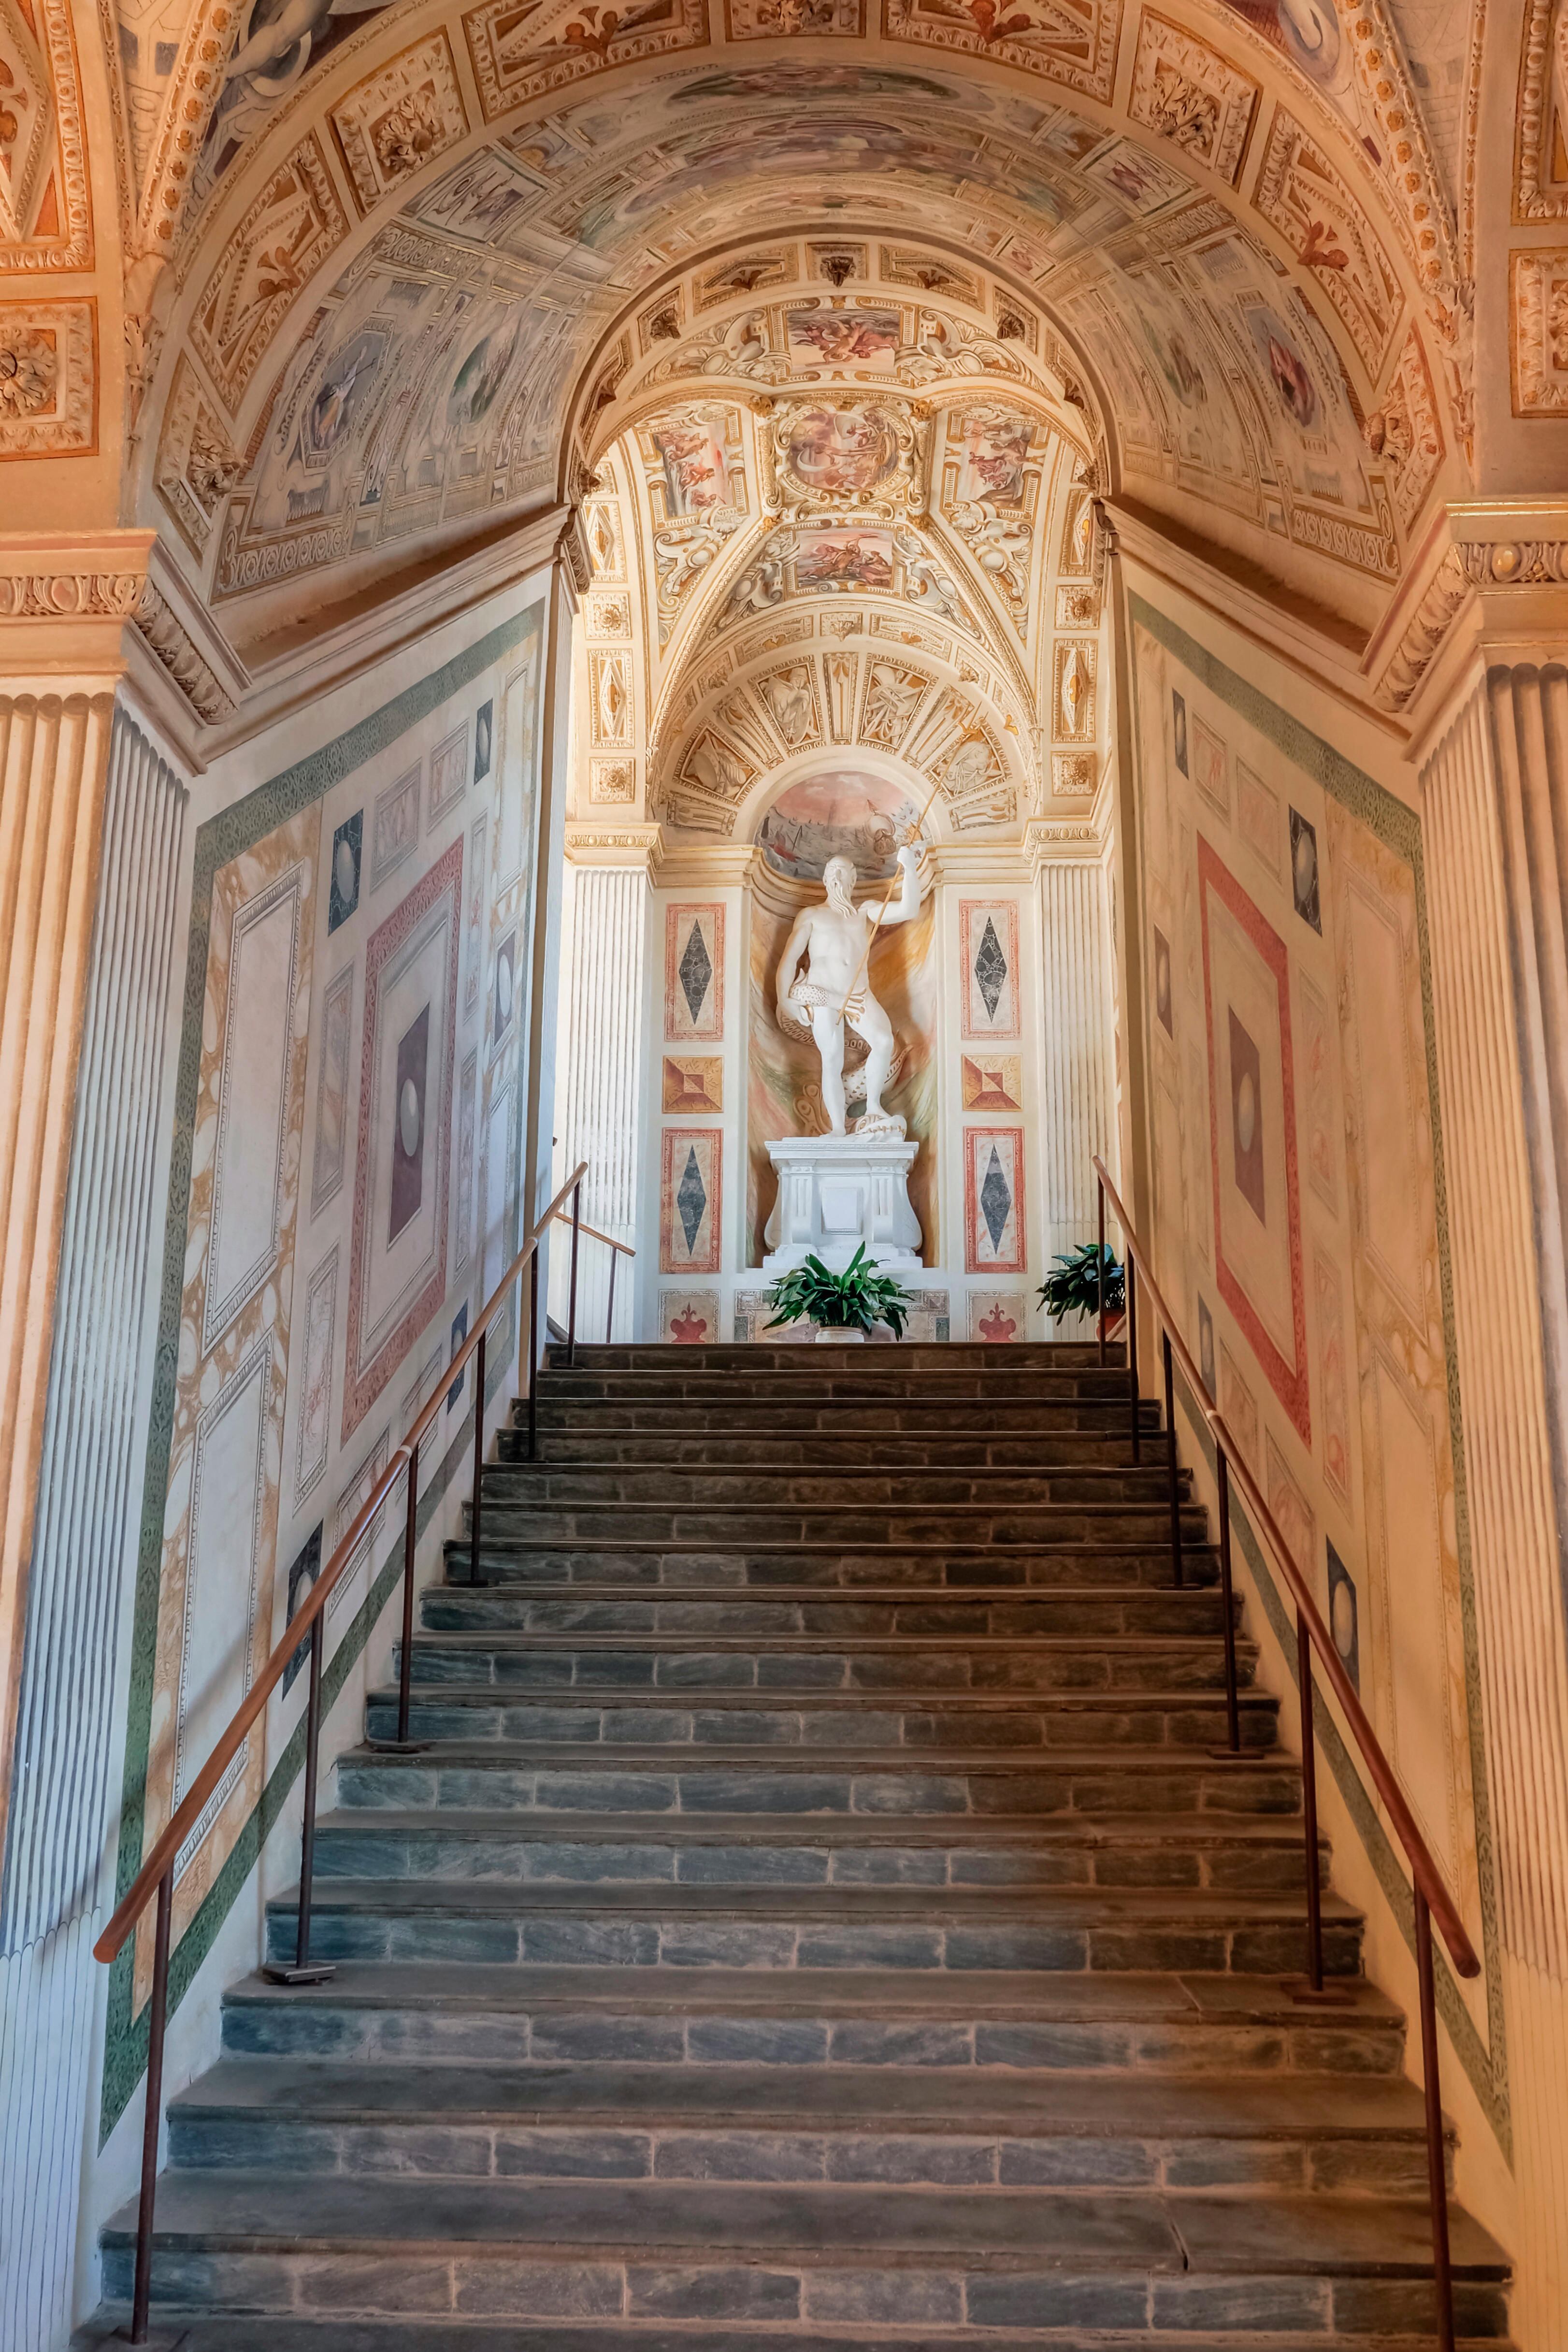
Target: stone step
x: 914, y: 1526
x: 995, y: 1612
x: 860, y: 1489
x: 727, y: 1408
x: 599, y: 1439
x: 834, y: 1566
x: 910, y: 2126
x: 875, y: 1783
x: 1076, y: 1720
x: 1166, y: 1851
x: 236, y: 2333
x: 793, y: 1662
x: 1007, y: 2260
x: 932, y: 1357
x: 877, y: 1378
x: 1100, y: 1929
x: 975, y: 2021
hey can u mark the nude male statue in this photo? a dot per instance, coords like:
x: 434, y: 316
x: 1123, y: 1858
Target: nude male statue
x: 837, y: 938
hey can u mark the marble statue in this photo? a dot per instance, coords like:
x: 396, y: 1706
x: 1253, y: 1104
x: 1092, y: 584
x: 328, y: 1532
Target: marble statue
x: 834, y: 940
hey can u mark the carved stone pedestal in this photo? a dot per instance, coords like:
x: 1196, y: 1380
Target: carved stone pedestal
x: 836, y: 1191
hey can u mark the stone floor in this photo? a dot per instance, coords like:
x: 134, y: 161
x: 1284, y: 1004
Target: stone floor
x: 818, y: 1918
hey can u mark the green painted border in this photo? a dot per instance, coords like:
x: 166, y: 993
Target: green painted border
x: 224, y: 836
x: 1398, y: 829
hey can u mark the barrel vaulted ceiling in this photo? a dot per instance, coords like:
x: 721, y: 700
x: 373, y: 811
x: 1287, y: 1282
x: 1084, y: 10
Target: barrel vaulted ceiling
x: 397, y: 273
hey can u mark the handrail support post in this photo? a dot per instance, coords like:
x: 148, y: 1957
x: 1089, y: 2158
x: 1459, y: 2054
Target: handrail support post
x: 156, y: 2021
x: 1173, y: 1471
x: 534, y: 1357
x: 1228, y: 1603
x: 1436, y: 2159
x: 302, y: 1970
x: 1133, y: 1353
x: 571, y: 1301
x: 475, y: 1512
x: 1100, y: 1279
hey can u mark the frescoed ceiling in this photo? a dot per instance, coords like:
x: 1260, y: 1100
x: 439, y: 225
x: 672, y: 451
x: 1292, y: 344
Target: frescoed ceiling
x: 394, y: 269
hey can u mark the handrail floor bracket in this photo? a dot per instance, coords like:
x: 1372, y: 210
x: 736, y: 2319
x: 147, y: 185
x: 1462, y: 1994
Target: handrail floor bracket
x: 1306, y: 1995
x: 285, y: 1972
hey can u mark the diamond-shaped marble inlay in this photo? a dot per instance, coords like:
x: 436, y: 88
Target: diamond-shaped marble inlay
x: 990, y: 969
x: 695, y: 969
x: 690, y: 1198
x: 995, y: 1200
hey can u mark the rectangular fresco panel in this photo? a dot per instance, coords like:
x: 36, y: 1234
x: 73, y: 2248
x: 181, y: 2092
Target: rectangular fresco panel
x: 521, y: 717
x: 994, y: 1220
x: 467, y: 1118
x: 689, y: 1319
x: 448, y: 775
x: 1334, y: 1378
x: 397, y: 1273
x: 350, y: 1585
x: 693, y: 972
x: 693, y: 1082
x: 991, y: 1081
x: 253, y: 1083
x: 690, y: 1200
x: 316, y: 1382
x: 1253, y: 1133
x: 820, y: 339
x: 998, y: 1316
x: 333, y: 1070
x: 988, y: 962
x: 394, y: 826
x: 833, y: 559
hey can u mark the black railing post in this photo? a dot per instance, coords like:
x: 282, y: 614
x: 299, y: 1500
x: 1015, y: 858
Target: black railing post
x: 1227, y: 1602
x: 475, y: 1511
x: 1099, y: 1275
x: 410, y: 1538
x: 534, y: 1357
x: 1172, y: 1470
x: 1310, y: 1807
x: 609, y: 1312
x: 571, y: 1303
x: 302, y: 1968
x: 1133, y: 1351
x: 157, y: 2018
x: 1436, y: 2160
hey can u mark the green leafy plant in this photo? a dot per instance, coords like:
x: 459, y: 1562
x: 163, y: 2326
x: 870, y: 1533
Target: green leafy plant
x: 1072, y: 1287
x: 851, y: 1301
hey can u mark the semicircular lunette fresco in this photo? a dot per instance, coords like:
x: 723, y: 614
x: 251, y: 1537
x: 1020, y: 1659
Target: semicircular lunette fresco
x: 837, y: 812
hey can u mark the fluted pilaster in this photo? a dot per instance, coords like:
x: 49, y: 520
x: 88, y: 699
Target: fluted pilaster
x: 602, y: 1046
x: 1077, y: 1043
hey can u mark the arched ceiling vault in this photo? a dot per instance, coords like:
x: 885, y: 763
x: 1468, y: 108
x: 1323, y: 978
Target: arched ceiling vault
x: 429, y: 262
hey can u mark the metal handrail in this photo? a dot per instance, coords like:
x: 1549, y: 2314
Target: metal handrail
x: 156, y: 1875
x: 1431, y: 1897
x: 622, y: 1249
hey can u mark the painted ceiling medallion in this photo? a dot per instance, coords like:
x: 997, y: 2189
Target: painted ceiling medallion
x: 828, y: 454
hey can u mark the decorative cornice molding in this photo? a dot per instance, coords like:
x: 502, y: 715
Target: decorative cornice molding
x: 616, y: 844
x: 1488, y: 555
x: 163, y: 632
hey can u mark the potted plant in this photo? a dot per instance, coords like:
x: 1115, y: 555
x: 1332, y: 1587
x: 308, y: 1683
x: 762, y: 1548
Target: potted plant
x: 1073, y: 1285
x: 845, y: 1306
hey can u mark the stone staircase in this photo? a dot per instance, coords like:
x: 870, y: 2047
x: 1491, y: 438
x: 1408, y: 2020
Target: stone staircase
x: 818, y: 1918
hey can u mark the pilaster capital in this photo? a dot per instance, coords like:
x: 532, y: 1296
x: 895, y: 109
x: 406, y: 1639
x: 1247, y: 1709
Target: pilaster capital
x: 1491, y: 577
x: 616, y: 844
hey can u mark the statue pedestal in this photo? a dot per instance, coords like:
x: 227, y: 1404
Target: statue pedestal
x: 836, y: 1192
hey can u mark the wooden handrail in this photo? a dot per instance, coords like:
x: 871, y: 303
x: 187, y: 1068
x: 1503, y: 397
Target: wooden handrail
x: 1418, y: 1853
x: 593, y: 1233
x: 188, y: 1810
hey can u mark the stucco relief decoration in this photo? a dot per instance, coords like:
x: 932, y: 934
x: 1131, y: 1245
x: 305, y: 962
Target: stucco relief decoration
x: 695, y: 470
x: 1540, y: 316
x: 400, y: 119
x: 825, y: 456
x: 521, y: 51
x: 1074, y: 47
x: 48, y: 353
x: 1072, y: 691
x: 282, y: 239
x: 990, y: 490
x: 197, y: 466
x: 26, y: 125
x: 1188, y: 93
x: 1404, y: 432
x: 760, y: 20
x: 1303, y: 195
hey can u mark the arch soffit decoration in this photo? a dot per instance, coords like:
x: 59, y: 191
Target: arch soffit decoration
x: 1257, y: 276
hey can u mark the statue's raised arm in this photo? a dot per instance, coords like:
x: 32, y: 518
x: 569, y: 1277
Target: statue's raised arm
x: 906, y: 906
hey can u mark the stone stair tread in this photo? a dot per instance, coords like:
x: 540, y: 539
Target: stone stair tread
x: 727, y: 1698
x: 685, y: 1641
x: 845, y: 1905
x: 297, y: 2332
x: 1037, y: 1997
x: 1028, y: 2103
x: 544, y: 1755
x: 546, y: 1825
x: 919, y: 1595
x: 1092, y: 2231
